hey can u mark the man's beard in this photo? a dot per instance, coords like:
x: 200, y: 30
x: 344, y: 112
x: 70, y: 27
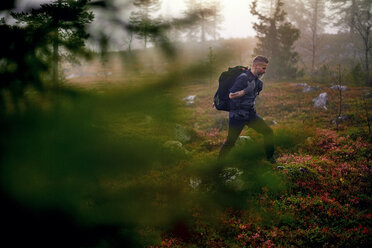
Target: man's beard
x: 260, y: 76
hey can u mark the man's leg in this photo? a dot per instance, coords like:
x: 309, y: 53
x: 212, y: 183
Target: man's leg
x: 235, y: 128
x: 260, y: 126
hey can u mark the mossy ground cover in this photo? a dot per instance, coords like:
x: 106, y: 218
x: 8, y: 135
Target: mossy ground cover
x: 136, y: 157
x: 326, y: 197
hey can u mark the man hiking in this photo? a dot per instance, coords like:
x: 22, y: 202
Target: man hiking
x: 242, y: 112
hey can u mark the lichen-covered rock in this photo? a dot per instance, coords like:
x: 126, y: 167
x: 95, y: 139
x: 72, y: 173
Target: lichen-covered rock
x: 339, y: 87
x: 321, y: 100
x: 176, y: 147
x: 189, y: 100
x: 182, y: 134
x: 243, y: 140
x: 232, y: 178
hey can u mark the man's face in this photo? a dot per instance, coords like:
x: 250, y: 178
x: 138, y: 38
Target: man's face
x: 260, y: 69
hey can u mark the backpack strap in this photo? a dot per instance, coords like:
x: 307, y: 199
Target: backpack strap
x: 259, y: 86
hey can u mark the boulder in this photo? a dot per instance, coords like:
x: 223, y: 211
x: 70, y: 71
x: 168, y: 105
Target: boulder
x: 339, y: 87
x: 270, y: 122
x: 182, y: 134
x: 232, y: 179
x: 340, y: 119
x: 311, y: 89
x: 243, y: 140
x: 321, y: 100
x: 189, y: 100
x: 195, y: 182
x: 176, y: 146
x: 308, y: 88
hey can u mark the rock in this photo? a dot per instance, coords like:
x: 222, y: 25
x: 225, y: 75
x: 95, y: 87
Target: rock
x: 340, y: 119
x: 195, y: 182
x: 308, y: 88
x: 243, y: 140
x: 311, y: 89
x: 182, y: 134
x: 231, y: 177
x: 339, y: 87
x: 189, y: 100
x: 270, y: 122
x: 176, y: 146
x: 321, y: 100
x: 231, y: 173
x: 72, y: 76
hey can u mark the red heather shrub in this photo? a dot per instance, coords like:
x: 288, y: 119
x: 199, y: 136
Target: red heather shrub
x: 338, y: 148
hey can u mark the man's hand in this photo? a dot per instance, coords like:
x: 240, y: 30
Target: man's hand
x: 236, y: 94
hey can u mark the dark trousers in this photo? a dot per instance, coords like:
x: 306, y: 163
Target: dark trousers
x: 258, y: 124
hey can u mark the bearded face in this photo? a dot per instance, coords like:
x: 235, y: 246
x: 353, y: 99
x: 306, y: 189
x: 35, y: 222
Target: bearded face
x: 260, y: 70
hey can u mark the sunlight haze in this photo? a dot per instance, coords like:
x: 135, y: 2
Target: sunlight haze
x: 236, y: 23
x: 237, y: 19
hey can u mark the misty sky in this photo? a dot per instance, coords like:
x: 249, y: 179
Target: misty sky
x: 237, y: 21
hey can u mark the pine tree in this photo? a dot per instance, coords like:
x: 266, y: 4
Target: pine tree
x: 63, y: 23
x: 316, y: 10
x: 309, y: 15
x: 358, y: 16
x: 276, y: 37
x: 206, y: 17
x: 216, y: 19
x: 142, y: 23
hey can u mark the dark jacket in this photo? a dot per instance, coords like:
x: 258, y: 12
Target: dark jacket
x: 243, y: 107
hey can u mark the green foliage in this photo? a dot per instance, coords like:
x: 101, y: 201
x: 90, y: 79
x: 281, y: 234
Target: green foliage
x: 323, y: 75
x: 205, y: 17
x: 62, y: 24
x: 141, y: 22
x: 21, y: 67
x: 93, y: 167
x: 291, y: 139
x: 356, y: 75
x: 276, y: 37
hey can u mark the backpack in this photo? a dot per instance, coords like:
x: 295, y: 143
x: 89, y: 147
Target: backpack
x: 225, y: 82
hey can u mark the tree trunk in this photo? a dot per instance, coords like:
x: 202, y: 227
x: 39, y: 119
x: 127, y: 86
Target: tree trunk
x: 55, y: 75
x: 202, y: 30
x: 352, y: 20
x: 367, y: 65
x: 55, y: 57
x: 145, y: 38
x: 130, y: 42
x: 367, y: 48
x: 315, y: 30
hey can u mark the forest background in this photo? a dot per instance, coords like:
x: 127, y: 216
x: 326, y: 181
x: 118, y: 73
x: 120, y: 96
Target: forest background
x: 109, y: 137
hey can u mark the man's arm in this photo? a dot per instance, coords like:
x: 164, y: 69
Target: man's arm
x: 247, y: 90
x: 237, y: 94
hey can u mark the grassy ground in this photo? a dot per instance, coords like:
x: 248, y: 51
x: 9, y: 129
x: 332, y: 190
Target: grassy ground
x: 317, y: 195
x: 132, y: 155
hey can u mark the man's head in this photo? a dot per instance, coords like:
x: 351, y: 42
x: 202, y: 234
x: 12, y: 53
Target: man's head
x: 259, y: 66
